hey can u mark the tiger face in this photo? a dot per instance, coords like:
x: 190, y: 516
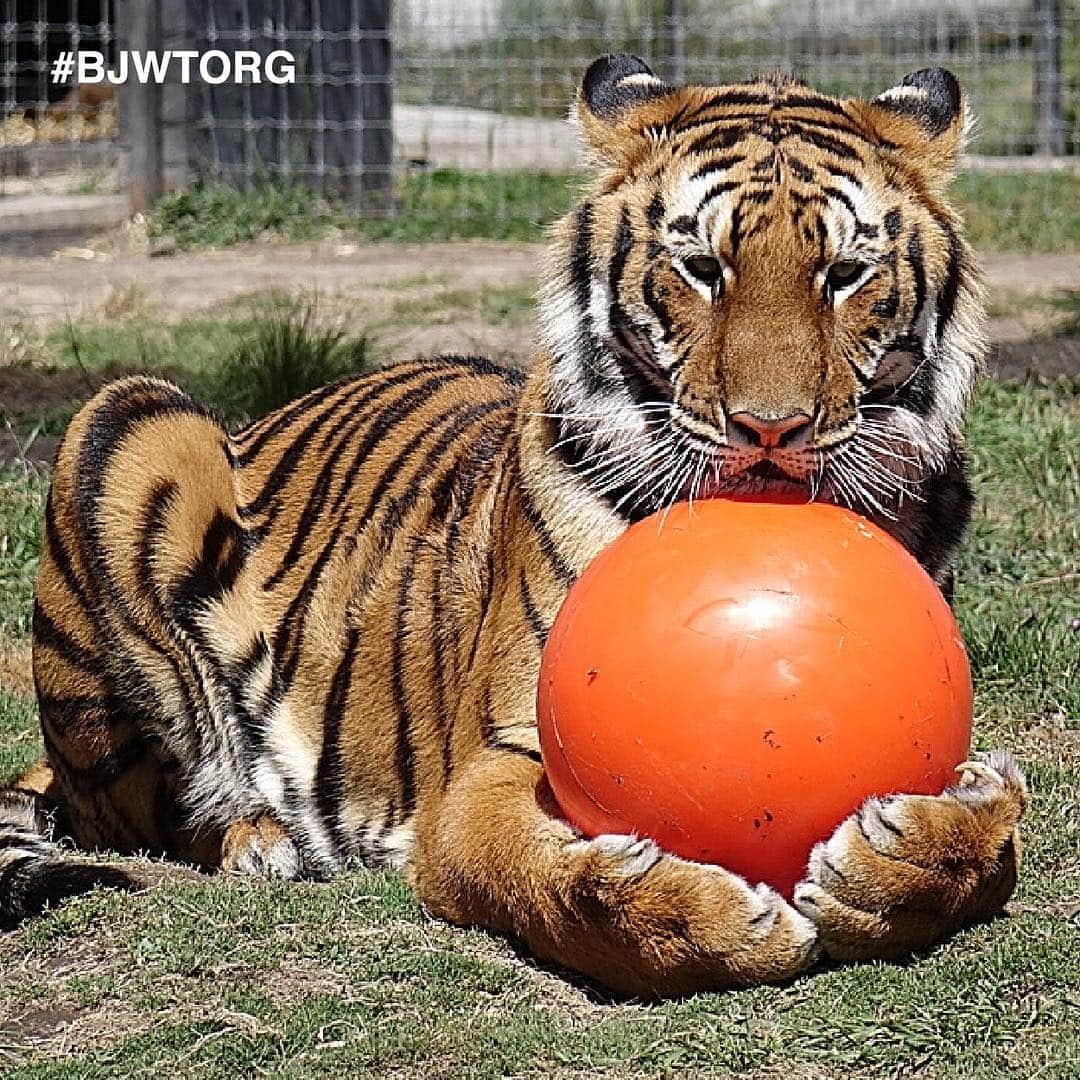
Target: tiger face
x: 765, y: 289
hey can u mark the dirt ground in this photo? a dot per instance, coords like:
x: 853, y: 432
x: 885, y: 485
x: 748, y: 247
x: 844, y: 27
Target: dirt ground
x: 74, y: 279
x: 381, y: 283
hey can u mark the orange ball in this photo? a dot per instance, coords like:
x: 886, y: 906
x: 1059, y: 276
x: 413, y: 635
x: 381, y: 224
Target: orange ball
x: 734, y: 679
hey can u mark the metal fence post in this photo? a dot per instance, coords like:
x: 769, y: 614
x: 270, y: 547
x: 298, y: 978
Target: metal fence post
x: 141, y: 102
x: 1049, y: 130
x: 374, y: 88
x: 673, y: 42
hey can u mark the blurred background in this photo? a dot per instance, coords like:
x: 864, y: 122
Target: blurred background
x: 450, y: 114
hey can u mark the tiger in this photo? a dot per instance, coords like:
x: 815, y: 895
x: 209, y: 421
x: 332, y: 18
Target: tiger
x: 313, y: 642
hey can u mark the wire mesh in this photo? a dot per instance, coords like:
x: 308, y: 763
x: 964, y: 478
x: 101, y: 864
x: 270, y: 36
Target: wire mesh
x: 46, y: 127
x: 482, y: 87
x: 330, y: 128
x: 450, y: 115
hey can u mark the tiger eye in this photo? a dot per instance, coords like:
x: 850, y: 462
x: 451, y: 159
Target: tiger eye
x: 842, y: 274
x: 706, y: 268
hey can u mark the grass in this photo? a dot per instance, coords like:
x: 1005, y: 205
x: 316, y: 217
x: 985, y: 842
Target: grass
x: 244, y: 359
x: 22, y: 505
x: 244, y: 363
x: 282, y: 358
x: 1023, y: 212
x: 351, y: 978
x: 445, y: 204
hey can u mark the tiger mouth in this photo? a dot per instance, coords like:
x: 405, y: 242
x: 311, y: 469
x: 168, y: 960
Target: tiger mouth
x: 764, y: 478
x: 767, y: 471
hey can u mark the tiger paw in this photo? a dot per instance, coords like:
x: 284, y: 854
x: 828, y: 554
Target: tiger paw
x: 625, y: 855
x: 261, y: 848
x: 905, y: 871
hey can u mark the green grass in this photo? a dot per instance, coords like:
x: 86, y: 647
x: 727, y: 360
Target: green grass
x: 217, y: 215
x: 283, y: 356
x: 246, y: 362
x: 22, y: 505
x: 442, y: 205
x: 1022, y: 212
x: 350, y: 978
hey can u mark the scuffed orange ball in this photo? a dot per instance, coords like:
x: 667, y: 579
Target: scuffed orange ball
x: 735, y: 678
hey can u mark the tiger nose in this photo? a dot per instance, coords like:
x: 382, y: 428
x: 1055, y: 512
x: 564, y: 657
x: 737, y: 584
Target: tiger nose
x: 748, y: 429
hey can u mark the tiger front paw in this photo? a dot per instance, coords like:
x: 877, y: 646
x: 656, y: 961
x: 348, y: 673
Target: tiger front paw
x: 905, y: 871
x: 695, y: 926
x: 260, y: 848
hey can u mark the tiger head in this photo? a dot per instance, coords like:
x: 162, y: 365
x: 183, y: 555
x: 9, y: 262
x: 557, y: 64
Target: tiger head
x: 765, y: 288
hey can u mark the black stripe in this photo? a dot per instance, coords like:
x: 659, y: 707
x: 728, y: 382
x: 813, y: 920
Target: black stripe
x: 253, y: 441
x: 718, y: 164
x: 825, y: 142
x: 716, y: 191
x: 801, y: 170
x: 795, y: 125
x: 216, y: 570
x: 951, y: 289
x: 330, y: 774
x: 642, y: 373
x: 536, y: 621
x: 287, y: 642
x: 581, y: 258
x: 287, y: 462
x: 59, y: 554
x: 344, y: 430
x: 722, y: 139
x: 151, y: 535
x: 654, y: 212
x: 624, y: 243
x: 438, y: 644
x: 841, y: 197
x: 453, y: 424
x: 496, y: 743
x: 727, y: 98
x: 918, y: 270
x: 47, y: 633
x: 735, y: 229
x: 480, y: 465
x: 815, y: 101
x: 685, y: 223
x: 655, y: 304
x: 845, y: 174
x: 404, y: 752
x: 544, y: 538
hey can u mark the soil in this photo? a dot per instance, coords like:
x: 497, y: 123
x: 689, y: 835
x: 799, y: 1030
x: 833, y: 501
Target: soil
x: 79, y: 281
x: 377, y: 284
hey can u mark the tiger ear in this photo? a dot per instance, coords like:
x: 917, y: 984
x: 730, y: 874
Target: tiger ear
x: 621, y: 108
x: 923, y: 120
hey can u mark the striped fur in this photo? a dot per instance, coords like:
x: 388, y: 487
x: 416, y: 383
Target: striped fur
x: 316, y: 639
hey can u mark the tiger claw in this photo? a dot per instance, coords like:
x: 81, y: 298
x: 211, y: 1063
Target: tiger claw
x: 973, y: 771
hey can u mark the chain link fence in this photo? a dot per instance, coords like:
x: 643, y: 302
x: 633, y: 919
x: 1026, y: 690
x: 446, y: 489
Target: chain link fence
x: 49, y: 128
x: 1019, y: 62
x: 452, y: 112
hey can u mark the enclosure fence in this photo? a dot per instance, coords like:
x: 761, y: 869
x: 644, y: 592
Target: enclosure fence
x: 450, y: 109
